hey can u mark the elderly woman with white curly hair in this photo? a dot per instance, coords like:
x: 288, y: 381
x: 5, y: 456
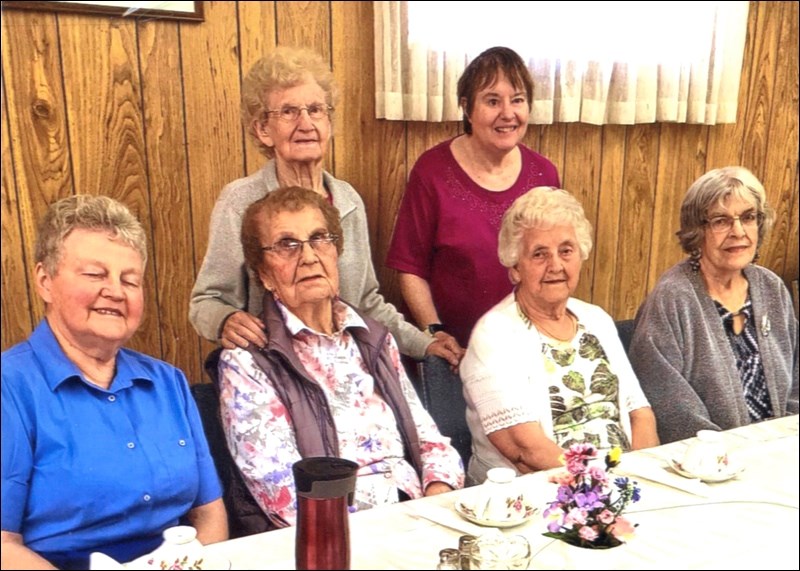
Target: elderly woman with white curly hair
x: 544, y: 370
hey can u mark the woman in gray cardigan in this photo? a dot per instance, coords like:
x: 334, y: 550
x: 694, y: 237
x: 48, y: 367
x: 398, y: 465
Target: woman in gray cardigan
x: 716, y: 341
x: 287, y: 101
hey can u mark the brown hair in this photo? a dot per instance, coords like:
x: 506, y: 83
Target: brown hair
x: 287, y: 199
x: 483, y: 72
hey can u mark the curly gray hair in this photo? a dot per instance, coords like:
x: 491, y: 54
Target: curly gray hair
x: 542, y: 207
x: 283, y: 68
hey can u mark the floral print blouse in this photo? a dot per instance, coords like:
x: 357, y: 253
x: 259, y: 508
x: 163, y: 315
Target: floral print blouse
x: 261, y: 437
x: 584, y: 392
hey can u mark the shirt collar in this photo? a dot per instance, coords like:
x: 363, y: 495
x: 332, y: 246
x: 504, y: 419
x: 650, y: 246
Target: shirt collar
x: 60, y: 368
x: 344, y: 317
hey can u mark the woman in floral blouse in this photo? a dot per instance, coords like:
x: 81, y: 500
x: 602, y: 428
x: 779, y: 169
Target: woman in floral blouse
x: 329, y: 382
x: 544, y: 370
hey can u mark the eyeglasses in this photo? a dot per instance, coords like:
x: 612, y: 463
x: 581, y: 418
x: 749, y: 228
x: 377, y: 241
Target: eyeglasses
x: 720, y: 224
x: 291, y: 113
x: 290, y: 248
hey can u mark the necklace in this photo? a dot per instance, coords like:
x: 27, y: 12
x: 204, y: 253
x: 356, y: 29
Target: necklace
x: 531, y: 323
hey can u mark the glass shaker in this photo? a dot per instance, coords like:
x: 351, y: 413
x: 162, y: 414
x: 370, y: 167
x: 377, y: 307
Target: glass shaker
x: 448, y: 559
x: 465, y: 543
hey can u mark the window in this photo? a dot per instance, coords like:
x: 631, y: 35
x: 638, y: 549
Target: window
x: 594, y: 62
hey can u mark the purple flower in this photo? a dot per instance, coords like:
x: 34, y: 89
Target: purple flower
x: 565, y: 494
x: 554, y: 526
x: 588, y: 500
x: 587, y: 511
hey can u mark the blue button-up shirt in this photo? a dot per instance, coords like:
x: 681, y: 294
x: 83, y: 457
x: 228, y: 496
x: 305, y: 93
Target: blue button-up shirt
x: 87, y: 469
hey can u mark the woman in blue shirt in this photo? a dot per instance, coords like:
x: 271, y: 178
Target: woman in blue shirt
x: 103, y: 447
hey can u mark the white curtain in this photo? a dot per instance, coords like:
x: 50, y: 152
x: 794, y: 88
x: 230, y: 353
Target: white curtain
x: 594, y: 62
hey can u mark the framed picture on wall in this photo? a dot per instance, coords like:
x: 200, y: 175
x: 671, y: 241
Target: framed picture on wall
x: 152, y: 10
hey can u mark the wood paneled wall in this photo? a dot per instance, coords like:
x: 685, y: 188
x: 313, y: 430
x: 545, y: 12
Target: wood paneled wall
x: 147, y: 111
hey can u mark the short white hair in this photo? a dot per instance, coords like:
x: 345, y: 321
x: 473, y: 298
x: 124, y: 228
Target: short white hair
x: 542, y: 208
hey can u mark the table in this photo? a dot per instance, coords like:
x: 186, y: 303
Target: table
x: 747, y: 522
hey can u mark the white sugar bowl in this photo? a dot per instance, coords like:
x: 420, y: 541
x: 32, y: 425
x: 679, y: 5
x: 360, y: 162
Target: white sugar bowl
x: 181, y: 549
x: 500, y: 497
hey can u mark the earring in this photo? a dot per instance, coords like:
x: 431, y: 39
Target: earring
x: 694, y: 259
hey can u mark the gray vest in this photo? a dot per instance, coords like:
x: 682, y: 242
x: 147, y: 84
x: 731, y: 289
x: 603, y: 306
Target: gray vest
x: 308, y: 409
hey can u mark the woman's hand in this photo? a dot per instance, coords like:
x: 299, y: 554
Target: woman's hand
x: 241, y: 329
x: 445, y: 345
x: 211, y: 521
x: 436, y: 488
x: 16, y: 555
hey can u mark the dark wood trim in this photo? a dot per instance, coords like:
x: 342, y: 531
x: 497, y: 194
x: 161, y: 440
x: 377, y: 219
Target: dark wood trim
x: 99, y: 9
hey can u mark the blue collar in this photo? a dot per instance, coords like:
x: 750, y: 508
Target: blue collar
x: 47, y: 350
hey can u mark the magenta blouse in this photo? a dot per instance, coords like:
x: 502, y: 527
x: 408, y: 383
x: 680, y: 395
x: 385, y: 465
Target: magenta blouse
x: 446, y: 233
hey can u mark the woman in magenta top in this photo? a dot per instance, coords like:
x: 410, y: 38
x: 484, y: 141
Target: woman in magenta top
x: 445, y: 237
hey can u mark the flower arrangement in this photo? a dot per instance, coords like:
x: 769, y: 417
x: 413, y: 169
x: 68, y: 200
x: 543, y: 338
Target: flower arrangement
x: 587, y: 511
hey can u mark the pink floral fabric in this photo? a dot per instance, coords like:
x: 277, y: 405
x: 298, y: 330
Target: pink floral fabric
x: 261, y: 437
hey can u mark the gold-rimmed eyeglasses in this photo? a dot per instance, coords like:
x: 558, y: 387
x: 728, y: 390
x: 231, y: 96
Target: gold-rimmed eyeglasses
x: 723, y: 223
x: 291, y: 113
x: 290, y: 248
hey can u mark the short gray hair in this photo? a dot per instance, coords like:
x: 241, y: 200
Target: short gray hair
x: 284, y: 67
x: 98, y: 213
x: 542, y: 208
x: 714, y: 188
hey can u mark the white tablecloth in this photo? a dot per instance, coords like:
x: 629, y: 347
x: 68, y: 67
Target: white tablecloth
x: 750, y: 522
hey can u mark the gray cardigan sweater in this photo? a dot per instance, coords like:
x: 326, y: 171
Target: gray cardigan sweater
x: 684, y: 360
x: 225, y: 285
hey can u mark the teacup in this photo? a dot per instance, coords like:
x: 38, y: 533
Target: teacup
x: 707, y: 455
x: 500, y: 498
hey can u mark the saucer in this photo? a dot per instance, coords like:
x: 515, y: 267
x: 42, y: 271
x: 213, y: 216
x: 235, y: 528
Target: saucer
x: 734, y: 469
x: 469, y: 514
x: 206, y: 563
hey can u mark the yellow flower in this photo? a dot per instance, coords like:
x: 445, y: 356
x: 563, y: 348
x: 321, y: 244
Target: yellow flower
x: 613, y: 457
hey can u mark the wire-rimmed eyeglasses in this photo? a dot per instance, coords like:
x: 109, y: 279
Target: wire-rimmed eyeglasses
x: 723, y: 223
x: 291, y: 113
x: 291, y: 247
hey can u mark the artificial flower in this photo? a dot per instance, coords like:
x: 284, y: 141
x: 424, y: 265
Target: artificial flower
x: 587, y: 511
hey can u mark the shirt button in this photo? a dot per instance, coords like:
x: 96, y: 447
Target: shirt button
x: 146, y: 497
x: 111, y: 398
x: 182, y: 442
x: 131, y: 445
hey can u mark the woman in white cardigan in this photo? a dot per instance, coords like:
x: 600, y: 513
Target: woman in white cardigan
x: 544, y: 370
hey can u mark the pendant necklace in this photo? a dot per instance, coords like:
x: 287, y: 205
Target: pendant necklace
x: 530, y: 323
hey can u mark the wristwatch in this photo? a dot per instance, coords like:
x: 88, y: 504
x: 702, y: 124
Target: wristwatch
x: 433, y: 328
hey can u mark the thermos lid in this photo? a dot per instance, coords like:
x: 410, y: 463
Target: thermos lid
x: 324, y: 477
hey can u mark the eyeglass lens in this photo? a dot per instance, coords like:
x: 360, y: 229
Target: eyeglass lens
x: 290, y: 247
x: 724, y: 223
x: 293, y: 112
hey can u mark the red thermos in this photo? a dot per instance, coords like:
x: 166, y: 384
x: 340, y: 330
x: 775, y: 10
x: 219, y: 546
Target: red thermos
x: 325, y: 487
